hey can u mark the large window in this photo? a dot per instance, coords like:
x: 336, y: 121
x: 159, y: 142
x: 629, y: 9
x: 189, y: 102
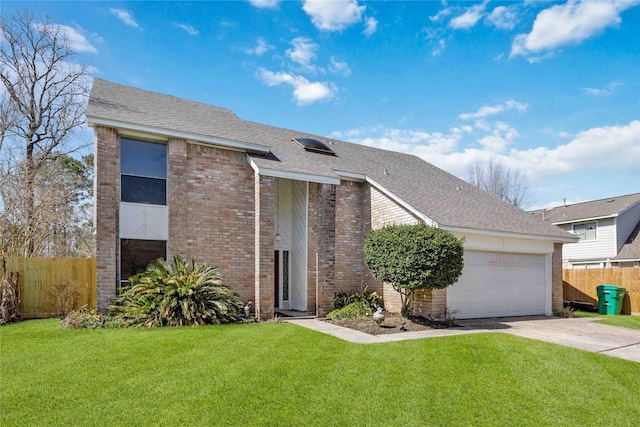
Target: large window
x: 585, y: 231
x: 136, y: 254
x: 143, y: 172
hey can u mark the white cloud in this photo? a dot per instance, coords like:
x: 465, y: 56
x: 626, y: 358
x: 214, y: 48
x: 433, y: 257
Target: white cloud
x: 78, y: 41
x: 188, y: 28
x: 568, y: 23
x: 264, y: 4
x: 607, y: 90
x: 303, y: 52
x: 504, y: 17
x: 338, y: 67
x: 424, y: 144
x: 601, y: 148
x: 438, y: 48
x: 598, y: 149
x: 469, y: 18
x: 124, y: 16
x: 490, y: 110
x: 501, y: 137
x: 370, y: 26
x: 333, y: 15
x: 304, y: 91
x: 440, y: 15
x: 260, y: 48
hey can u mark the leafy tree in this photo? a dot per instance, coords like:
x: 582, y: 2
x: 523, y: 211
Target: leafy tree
x: 42, y: 101
x: 495, y: 178
x: 181, y: 293
x: 412, y: 257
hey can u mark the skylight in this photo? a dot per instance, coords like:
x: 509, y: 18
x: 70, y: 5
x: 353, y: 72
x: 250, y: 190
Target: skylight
x: 314, y: 146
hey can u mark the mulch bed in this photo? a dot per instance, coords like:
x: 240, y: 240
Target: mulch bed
x: 393, y: 324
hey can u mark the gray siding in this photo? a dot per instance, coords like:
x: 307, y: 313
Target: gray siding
x: 603, y: 247
x: 625, y: 223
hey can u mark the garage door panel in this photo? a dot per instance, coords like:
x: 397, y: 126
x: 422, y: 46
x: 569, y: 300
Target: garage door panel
x: 499, y: 284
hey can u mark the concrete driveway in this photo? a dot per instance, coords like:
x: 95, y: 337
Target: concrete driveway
x: 581, y: 333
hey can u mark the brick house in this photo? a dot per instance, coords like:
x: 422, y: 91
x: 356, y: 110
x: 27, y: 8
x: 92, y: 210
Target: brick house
x: 284, y: 214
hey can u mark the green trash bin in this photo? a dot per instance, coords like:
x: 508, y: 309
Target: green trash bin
x: 609, y: 301
x: 621, y: 294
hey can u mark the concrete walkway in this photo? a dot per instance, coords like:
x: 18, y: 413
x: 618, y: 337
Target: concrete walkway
x: 581, y: 333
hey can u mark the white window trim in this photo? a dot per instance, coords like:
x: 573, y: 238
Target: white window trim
x: 573, y: 230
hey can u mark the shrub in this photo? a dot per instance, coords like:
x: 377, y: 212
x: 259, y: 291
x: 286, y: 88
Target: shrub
x: 62, y: 296
x: 181, y: 293
x: 355, y: 310
x: 85, y: 317
x: 412, y: 257
x: 564, y: 312
x: 372, y: 299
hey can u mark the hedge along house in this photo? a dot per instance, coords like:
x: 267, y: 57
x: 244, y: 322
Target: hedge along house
x: 284, y: 214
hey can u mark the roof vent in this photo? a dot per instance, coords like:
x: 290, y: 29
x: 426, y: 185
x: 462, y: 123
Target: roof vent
x: 314, y: 146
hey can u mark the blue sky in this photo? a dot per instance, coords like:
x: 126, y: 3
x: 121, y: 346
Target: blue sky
x: 551, y: 88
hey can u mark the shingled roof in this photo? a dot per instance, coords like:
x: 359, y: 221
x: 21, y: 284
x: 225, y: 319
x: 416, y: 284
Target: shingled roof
x: 445, y: 199
x: 631, y: 248
x: 603, y: 208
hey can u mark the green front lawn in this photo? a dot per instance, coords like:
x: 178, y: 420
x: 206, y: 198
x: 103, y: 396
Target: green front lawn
x: 285, y: 375
x: 625, y: 321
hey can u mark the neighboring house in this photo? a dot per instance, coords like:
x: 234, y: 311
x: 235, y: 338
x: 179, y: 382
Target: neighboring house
x: 607, y: 230
x: 285, y: 214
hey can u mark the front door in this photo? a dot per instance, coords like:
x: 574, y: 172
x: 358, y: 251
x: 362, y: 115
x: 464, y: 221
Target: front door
x: 283, y: 278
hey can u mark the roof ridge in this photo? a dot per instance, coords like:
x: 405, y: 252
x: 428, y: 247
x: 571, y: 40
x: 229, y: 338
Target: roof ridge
x: 590, y: 201
x: 154, y: 93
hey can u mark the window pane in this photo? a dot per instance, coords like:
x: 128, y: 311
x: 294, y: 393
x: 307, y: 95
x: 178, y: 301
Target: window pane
x: 143, y: 158
x: 585, y: 231
x: 590, y: 231
x: 135, y: 255
x: 143, y: 190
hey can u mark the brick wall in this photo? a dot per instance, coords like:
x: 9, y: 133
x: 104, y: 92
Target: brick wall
x: 557, y: 285
x: 264, y: 229
x: 350, y: 235
x: 313, y: 256
x: 107, y: 200
x: 211, y: 211
x: 325, y: 247
x: 385, y: 211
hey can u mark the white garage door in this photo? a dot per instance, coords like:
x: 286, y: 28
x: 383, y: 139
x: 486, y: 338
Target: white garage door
x: 495, y: 284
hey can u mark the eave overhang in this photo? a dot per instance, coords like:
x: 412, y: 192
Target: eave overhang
x: 508, y: 234
x: 123, y: 127
x: 297, y: 176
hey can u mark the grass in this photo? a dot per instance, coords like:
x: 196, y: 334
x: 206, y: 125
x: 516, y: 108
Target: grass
x: 625, y: 321
x: 285, y: 375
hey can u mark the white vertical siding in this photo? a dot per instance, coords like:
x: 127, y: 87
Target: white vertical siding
x: 284, y: 210
x: 291, y: 224
x: 625, y: 223
x: 299, y: 246
x: 603, y: 247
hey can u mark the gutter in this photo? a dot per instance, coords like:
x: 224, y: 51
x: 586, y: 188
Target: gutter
x: 209, y: 140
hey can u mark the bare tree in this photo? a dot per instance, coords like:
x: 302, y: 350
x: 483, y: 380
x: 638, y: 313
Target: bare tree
x: 509, y: 185
x: 43, y: 100
x: 62, y: 213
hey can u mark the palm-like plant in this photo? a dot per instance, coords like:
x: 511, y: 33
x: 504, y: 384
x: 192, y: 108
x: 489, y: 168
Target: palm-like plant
x: 180, y: 293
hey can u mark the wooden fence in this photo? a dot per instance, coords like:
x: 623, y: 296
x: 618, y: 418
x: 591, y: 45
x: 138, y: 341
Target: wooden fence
x: 38, y: 275
x: 580, y: 285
